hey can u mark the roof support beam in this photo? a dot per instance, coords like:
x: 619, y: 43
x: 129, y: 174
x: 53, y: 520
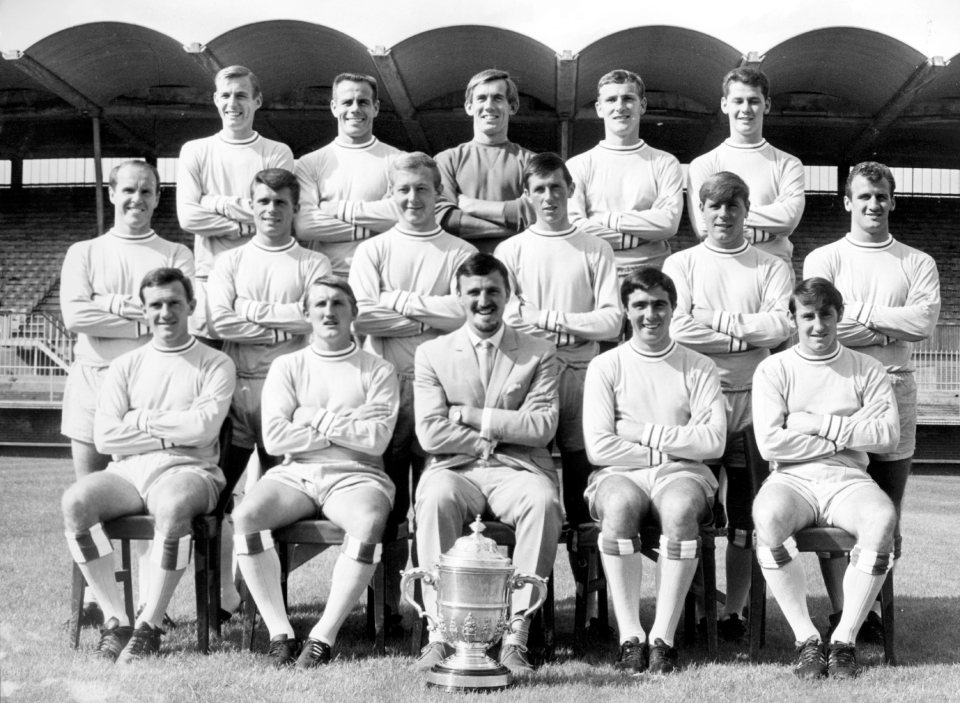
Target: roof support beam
x: 567, y: 67
x: 55, y: 84
x: 895, y: 106
x: 202, y: 55
x: 394, y: 86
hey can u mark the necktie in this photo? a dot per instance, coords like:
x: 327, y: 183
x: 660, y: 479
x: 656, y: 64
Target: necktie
x: 485, y: 354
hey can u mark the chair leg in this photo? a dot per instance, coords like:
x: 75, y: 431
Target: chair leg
x: 418, y: 632
x: 377, y: 610
x: 603, y: 611
x: 76, y: 604
x: 758, y: 608
x: 125, y: 576
x: 213, y: 585
x: 549, y: 620
x: 250, y: 613
x: 708, y: 564
x: 580, y: 562
x: 887, y: 618
x: 201, y: 545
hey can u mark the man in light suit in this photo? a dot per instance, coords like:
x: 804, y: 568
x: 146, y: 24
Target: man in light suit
x: 487, y: 432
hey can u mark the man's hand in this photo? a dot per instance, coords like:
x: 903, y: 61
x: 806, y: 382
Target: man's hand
x: 303, y: 415
x: 628, y: 430
x: 329, y: 207
x: 703, y: 315
x: 804, y: 423
x: 368, y: 411
x: 485, y: 448
x: 126, y: 306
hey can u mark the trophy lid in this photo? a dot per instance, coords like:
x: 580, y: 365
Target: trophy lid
x: 476, y: 550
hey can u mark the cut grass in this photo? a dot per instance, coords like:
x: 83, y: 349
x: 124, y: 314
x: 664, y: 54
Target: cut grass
x: 37, y: 663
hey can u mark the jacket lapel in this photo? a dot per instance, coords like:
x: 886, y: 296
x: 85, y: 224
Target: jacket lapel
x: 502, y: 366
x: 466, y: 363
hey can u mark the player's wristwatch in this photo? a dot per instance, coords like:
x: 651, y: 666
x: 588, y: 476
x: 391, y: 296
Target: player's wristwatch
x: 458, y: 416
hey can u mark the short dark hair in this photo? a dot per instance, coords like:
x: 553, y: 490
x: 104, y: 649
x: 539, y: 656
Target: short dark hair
x: 164, y: 277
x: 414, y: 161
x: 645, y: 279
x: 620, y: 76
x: 330, y: 281
x: 748, y: 76
x: 818, y: 292
x: 277, y: 179
x: 543, y: 165
x: 725, y: 187
x: 237, y: 71
x: 481, y: 264
x: 135, y: 163
x: 488, y: 76
x: 354, y: 78
x: 873, y: 171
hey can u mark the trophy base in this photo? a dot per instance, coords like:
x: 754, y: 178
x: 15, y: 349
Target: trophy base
x: 484, y: 678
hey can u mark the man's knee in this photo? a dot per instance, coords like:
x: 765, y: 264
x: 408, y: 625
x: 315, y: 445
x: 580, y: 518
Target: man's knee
x: 367, y: 523
x: 680, y: 515
x: 437, y: 492
x: 877, y: 527
x: 770, y: 522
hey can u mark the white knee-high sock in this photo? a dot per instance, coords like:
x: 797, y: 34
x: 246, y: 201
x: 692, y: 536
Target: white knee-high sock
x: 102, y: 583
x: 676, y: 567
x: 141, y: 548
x: 739, y: 561
x: 169, y: 557
x: 261, y: 572
x: 348, y: 581
x: 624, y: 572
x: 229, y: 595
x: 861, y: 583
x: 788, y: 584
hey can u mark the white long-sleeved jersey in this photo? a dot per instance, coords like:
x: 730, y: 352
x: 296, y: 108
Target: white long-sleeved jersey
x: 641, y: 410
x: 749, y: 292
x: 776, y: 182
x: 255, y: 302
x: 308, y: 403
x: 835, y: 387
x: 406, y: 285
x: 97, y: 275
x: 634, y: 195
x: 213, y: 186
x: 168, y: 401
x: 356, y: 177
x: 891, y: 296
x: 570, y: 279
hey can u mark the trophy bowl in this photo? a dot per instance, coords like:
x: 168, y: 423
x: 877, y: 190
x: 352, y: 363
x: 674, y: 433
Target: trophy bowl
x: 474, y: 584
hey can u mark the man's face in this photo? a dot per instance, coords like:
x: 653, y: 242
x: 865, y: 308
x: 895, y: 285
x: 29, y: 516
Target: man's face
x: 870, y: 205
x: 745, y: 107
x: 490, y: 109
x: 724, y: 222
x: 650, y: 313
x: 236, y: 104
x: 549, y: 195
x: 416, y: 195
x: 167, y: 312
x: 620, y: 107
x: 483, y: 299
x: 354, y: 107
x: 134, y: 199
x: 330, y: 314
x: 273, y: 212
x: 816, y: 329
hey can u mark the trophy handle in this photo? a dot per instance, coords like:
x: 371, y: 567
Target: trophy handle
x: 518, y: 582
x: 429, y: 579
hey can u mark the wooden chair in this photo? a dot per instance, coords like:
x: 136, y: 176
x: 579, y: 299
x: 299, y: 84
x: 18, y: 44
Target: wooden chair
x: 317, y: 536
x: 582, y: 544
x: 205, y: 532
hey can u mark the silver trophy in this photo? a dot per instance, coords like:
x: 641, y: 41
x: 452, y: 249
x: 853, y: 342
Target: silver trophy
x: 474, y: 584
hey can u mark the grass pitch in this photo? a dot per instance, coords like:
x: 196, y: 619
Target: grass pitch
x: 38, y: 664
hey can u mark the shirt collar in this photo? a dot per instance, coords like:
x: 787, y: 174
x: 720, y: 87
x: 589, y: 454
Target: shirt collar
x: 495, y: 339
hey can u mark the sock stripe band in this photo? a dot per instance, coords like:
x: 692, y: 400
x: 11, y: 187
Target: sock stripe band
x: 679, y: 549
x: 740, y: 538
x: 871, y: 563
x: 777, y: 557
x: 171, y: 553
x: 364, y: 552
x: 89, y: 544
x: 619, y: 547
x: 253, y: 542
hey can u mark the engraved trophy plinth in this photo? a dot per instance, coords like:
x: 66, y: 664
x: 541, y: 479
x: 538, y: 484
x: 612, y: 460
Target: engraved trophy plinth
x: 474, y: 584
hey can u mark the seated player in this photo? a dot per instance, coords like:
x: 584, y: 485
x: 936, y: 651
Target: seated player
x: 486, y: 409
x: 159, y: 414
x: 652, y: 413
x: 329, y: 410
x: 818, y: 408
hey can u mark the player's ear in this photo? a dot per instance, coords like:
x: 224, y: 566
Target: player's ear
x: 847, y: 203
x: 767, y: 104
x: 643, y: 105
x: 192, y: 305
x: 376, y: 108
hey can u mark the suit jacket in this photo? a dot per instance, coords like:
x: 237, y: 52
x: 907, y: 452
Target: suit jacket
x: 522, y: 394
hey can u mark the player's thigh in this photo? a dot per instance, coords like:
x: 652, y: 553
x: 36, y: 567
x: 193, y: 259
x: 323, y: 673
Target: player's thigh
x: 620, y: 504
x: 271, y: 504
x: 516, y: 493
x: 867, y: 513
x: 780, y: 511
x: 176, y: 498
x: 442, y: 489
x: 360, y: 511
x: 681, y: 506
x: 99, y: 497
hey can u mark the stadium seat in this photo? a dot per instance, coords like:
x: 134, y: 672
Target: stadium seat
x: 836, y: 542
x: 544, y: 620
x: 321, y: 534
x: 206, y: 559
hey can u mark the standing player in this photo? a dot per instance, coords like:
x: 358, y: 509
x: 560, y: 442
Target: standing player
x: 732, y: 306
x: 892, y: 299
x: 159, y: 415
x: 329, y: 409
x: 342, y: 185
x: 405, y: 284
x: 565, y: 291
x: 99, y: 299
x: 632, y: 192
x: 482, y: 194
x: 775, y: 177
x: 818, y: 408
x: 255, y: 293
x: 213, y: 179
x: 651, y: 457
x: 486, y: 407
